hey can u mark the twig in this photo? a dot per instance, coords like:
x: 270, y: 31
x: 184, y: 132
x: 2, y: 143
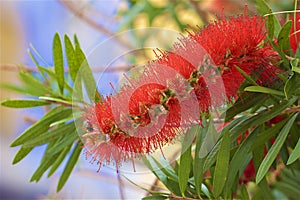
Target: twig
x: 78, y: 12
x: 203, y: 15
x: 15, y: 68
x: 153, y: 186
x: 172, y: 196
x: 84, y: 17
x: 29, y: 120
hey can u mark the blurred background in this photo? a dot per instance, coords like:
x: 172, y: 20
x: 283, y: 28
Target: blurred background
x: 34, y: 23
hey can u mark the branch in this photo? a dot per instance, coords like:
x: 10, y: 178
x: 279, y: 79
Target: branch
x: 203, y: 15
x: 16, y: 68
x: 78, y: 12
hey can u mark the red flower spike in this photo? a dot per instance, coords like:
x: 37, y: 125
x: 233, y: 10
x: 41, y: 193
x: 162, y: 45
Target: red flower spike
x: 295, y: 33
x: 149, y: 112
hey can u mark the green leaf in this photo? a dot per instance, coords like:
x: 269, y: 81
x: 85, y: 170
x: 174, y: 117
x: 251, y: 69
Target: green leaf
x: 288, y: 190
x: 265, y: 90
x: 291, y: 176
x: 44, y: 165
x: 22, y: 153
x: 258, y: 155
x: 284, y: 37
x: 59, y: 159
x: 41, y: 69
x: 13, y: 87
x: 85, y: 74
x: 221, y: 168
x: 212, y: 156
x: 247, y: 77
x: 211, y: 138
x: 51, y: 135
x: 274, y: 150
x: 71, y: 58
x: 244, y: 193
x: 169, y: 183
x: 185, y: 161
x: 69, y: 166
x: 292, y: 86
x: 58, y: 62
x: 198, y: 162
x: 271, y: 24
x: 33, y: 86
x: 295, y: 154
x: 24, y: 103
x: 56, y: 100
x: 240, y: 105
x: 264, y: 136
x: 166, y: 168
x: 42, y: 125
x: 260, y: 118
x: 240, y: 156
x: 155, y: 197
x: 264, y: 9
x: 68, y: 139
x: 295, y: 65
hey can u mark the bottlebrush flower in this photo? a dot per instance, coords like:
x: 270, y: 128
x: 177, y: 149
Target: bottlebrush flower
x: 108, y: 141
x: 128, y: 124
x: 295, y: 33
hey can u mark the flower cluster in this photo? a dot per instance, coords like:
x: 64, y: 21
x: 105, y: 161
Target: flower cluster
x: 128, y: 124
x: 295, y: 33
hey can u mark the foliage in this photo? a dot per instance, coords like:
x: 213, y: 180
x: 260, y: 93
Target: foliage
x: 261, y: 135
x: 51, y: 87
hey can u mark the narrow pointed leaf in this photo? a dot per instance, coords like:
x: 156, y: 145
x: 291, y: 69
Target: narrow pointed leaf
x: 45, y: 164
x: 59, y: 159
x: 271, y: 26
x: 284, y: 36
x: 33, y: 86
x: 22, y: 153
x: 274, y: 150
x: 264, y: 9
x: 295, y: 65
x: 24, y: 103
x: 51, y: 135
x: 295, y: 153
x: 42, y: 125
x: 247, y: 77
x: 292, y: 86
x: 265, y: 135
x: 155, y: 197
x: 244, y: 193
x: 85, y: 74
x: 212, y: 156
x: 198, y: 162
x: 69, y: 166
x: 71, y: 58
x: 221, y: 168
x: 240, y: 156
x: 265, y: 90
x: 185, y: 160
x: 240, y: 105
x: 211, y: 138
x: 259, y: 119
x: 58, y: 62
x: 68, y: 139
x: 169, y: 183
